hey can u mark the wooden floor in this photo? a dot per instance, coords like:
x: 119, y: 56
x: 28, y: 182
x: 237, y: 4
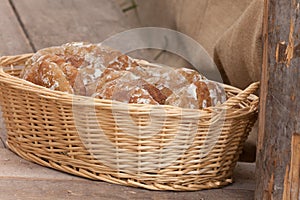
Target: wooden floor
x: 28, y: 25
x: 20, y: 179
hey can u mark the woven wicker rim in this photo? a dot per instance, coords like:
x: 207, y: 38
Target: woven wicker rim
x: 10, y: 61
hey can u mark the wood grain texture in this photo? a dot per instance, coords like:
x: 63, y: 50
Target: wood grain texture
x: 36, y: 182
x: 3, y: 135
x: 280, y: 108
x: 13, y: 166
x: 47, y: 189
x: 54, y: 22
x: 292, y: 176
x: 295, y: 167
x: 12, y: 37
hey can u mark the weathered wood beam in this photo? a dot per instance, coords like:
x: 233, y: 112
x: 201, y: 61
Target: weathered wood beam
x: 277, y: 166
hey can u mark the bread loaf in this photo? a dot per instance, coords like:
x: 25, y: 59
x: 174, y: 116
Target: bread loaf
x: 100, y: 72
x: 75, y: 66
x: 126, y: 87
x: 197, y: 93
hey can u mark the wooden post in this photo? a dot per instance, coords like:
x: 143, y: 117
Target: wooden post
x: 278, y: 149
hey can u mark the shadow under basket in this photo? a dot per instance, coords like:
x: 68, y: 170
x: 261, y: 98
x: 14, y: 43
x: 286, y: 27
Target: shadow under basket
x: 153, y: 147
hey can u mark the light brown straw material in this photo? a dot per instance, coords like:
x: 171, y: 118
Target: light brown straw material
x: 153, y: 147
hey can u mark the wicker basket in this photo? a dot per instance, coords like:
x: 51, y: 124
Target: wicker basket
x: 154, y: 147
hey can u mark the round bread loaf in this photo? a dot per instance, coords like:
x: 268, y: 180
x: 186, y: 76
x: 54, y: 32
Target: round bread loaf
x: 73, y: 67
x: 126, y: 87
x: 48, y: 73
x: 198, y: 93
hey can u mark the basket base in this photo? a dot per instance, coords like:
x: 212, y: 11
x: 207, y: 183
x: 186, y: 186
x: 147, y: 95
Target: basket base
x: 90, y: 173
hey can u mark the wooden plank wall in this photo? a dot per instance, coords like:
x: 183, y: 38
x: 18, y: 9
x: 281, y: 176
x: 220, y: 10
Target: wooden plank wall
x: 12, y: 37
x: 50, y: 23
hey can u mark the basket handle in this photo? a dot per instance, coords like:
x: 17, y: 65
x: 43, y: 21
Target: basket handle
x: 14, y: 60
x: 232, y: 101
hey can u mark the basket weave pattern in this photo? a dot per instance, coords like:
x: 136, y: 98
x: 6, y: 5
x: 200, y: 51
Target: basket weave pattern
x: 113, y: 141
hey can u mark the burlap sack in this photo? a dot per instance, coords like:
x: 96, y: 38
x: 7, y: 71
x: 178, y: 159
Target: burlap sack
x: 229, y: 30
x: 238, y: 53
